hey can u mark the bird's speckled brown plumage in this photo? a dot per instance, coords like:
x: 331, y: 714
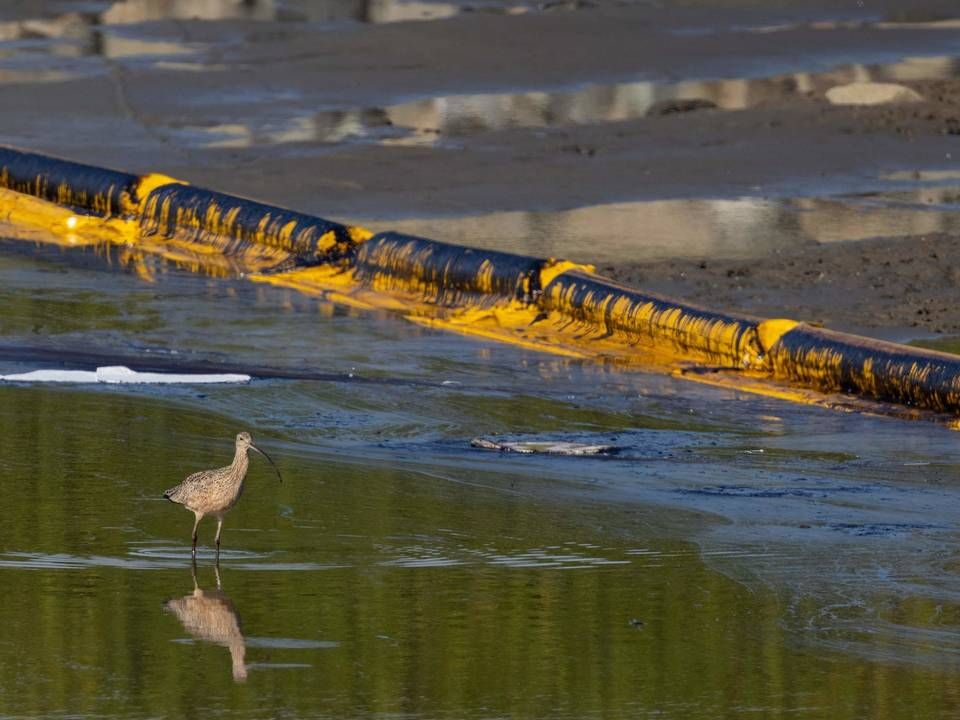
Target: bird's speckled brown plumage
x: 214, y: 492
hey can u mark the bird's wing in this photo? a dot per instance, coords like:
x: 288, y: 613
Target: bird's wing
x: 195, y: 478
x: 192, y: 481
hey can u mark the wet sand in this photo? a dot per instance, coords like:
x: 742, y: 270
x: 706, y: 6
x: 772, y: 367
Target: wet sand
x: 380, y: 113
x: 898, y: 288
x: 359, y: 119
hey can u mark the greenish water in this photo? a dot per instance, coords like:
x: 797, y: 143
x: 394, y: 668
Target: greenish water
x: 950, y: 344
x: 357, y: 590
x: 741, y: 557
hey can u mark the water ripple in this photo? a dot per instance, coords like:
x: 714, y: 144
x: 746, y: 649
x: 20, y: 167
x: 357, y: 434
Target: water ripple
x: 553, y: 557
x: 149, y: 561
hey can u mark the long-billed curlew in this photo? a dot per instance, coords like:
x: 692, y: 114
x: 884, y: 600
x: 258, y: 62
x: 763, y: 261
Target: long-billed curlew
x: 213, y: 492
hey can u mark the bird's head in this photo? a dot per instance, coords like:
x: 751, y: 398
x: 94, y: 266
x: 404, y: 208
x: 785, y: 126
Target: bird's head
x: 245, y: 442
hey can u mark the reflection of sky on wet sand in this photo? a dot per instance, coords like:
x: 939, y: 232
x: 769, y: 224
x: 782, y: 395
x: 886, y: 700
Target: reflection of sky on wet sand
x: 382, y: 11
x: 89, y: 40
x: 468, y: 114
x: 442, y: 120
x: 314, y: 11
x: 105, y: 29
x: 744, y: 227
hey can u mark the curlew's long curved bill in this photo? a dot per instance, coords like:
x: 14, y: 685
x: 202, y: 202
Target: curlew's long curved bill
x: 276, y: 469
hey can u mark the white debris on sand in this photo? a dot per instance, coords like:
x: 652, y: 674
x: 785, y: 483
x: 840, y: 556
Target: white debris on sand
x: 871, y: 93
x: 119, y: 374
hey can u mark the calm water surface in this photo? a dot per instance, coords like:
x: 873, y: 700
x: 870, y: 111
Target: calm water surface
x: 742, y: 557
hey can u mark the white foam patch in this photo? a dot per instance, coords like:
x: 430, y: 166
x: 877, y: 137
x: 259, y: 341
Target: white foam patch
x: 118, y: 374
x: 74, y: 376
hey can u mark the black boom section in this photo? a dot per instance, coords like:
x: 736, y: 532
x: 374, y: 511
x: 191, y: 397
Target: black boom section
x: 645, y: 317
x: 442, y: 271
x: 67, y: 183
x: 837, y: 362
x: 217, y: 218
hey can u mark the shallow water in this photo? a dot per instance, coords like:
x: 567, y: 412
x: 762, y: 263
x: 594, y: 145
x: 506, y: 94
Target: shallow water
x: 740, y: 556
x: 207, y: 50
x: 745, y: 227
x: 447, y: 120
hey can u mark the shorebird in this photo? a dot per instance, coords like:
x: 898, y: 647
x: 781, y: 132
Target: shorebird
x: 214, y: 492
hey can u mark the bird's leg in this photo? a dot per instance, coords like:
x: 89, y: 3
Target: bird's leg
x: 219, y: 528
x: 193, y: 573
x: 195, y: 524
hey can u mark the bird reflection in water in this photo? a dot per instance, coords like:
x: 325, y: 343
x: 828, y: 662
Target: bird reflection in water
x: 209, y: 615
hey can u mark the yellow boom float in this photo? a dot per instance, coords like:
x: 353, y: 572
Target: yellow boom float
x: 547, y: 304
